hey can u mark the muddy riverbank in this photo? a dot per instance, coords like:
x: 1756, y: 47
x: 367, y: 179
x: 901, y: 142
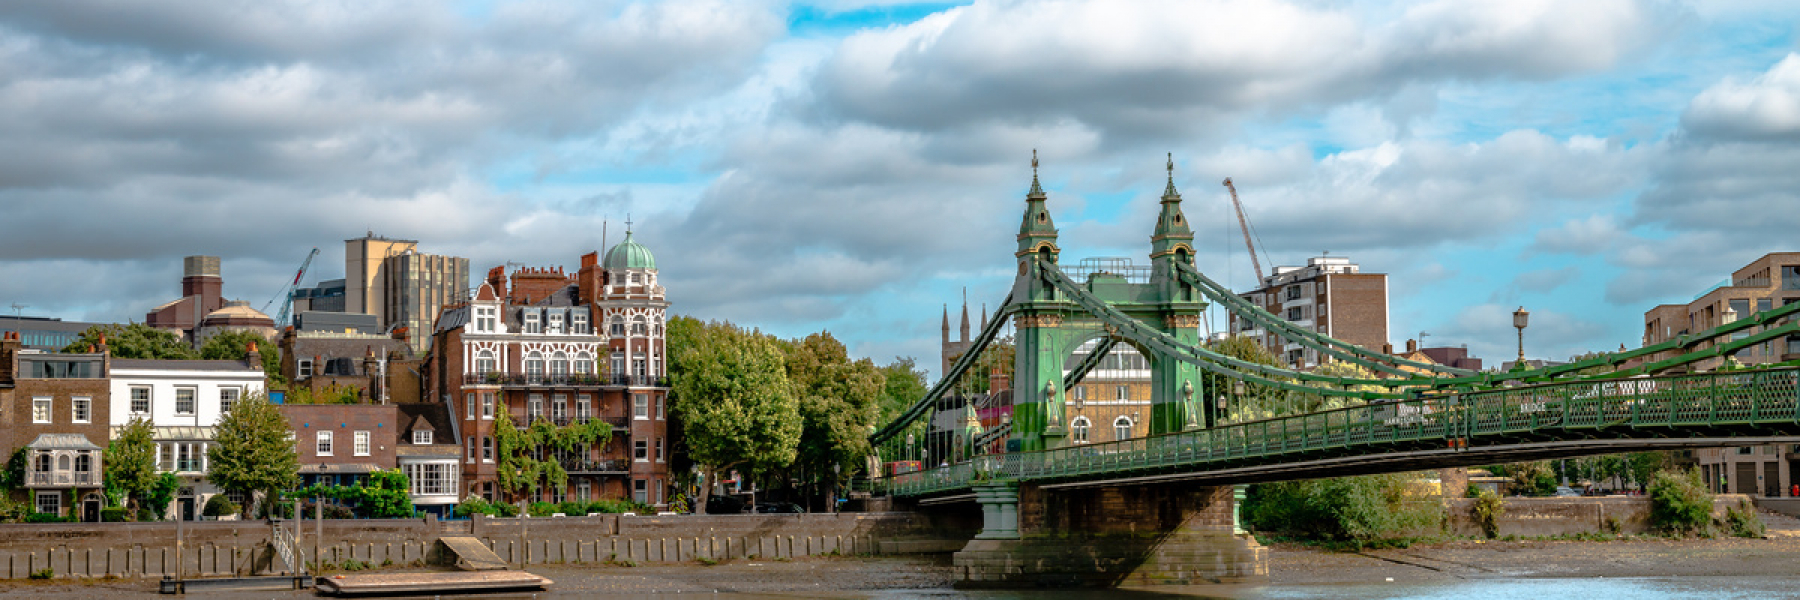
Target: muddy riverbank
x: 1292, y: 567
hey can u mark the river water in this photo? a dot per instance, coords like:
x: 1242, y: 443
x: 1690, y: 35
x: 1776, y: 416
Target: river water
x: 1636, y: 588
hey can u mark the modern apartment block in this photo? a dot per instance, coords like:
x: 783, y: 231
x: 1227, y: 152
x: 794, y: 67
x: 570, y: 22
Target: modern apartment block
x: 1765, y: 283
x: 389, y: 278
x: 1330, y: 295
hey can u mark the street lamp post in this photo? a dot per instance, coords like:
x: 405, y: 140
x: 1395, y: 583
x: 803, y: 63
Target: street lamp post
x: 1520, y: 317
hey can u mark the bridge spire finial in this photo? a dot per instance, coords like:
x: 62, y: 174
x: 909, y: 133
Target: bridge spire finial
x: 1035, y: 188
x: 1170, y: 189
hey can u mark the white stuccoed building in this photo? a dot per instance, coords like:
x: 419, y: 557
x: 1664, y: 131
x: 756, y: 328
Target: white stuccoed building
x: 184, y: 401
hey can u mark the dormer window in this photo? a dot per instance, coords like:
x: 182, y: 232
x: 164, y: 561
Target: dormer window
x: 531, y: 321
x: 485, y: 318
x: 556, y: 322
x: 421, y: 437
x: 578, y: 323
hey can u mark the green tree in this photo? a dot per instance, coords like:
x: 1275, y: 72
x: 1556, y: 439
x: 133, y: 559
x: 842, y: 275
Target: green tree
x: 232, y: 345
x: 1257, y: 401
x: 837, y: 401
x: 252, y: 451
x: 731, y: 391
x: 131, y: 461
x: 13, y: 477
x: 1360, y: 509
x: 903, y: 384
x: 135, y: 340
x: 385, y: 494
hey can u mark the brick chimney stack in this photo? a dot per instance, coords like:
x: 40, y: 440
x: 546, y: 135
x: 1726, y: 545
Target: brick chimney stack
x: 997, y: 380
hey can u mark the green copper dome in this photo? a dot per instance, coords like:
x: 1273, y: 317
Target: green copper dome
x: 629, y: 255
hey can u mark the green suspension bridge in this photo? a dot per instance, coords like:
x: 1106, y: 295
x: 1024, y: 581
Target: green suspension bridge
x: 1408, y: 415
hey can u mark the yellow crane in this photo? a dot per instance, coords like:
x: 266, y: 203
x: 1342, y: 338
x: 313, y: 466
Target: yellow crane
x: 1245, y: 224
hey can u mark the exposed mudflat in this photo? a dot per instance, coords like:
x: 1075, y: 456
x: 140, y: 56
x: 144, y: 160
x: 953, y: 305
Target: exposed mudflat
x: 1644, y: 557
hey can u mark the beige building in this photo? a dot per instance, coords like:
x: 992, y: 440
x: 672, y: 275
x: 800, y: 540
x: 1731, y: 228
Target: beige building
x: 1764, y: 284
x: 400, y: 286
x: 1330, y: 295
x: 1113, y: 401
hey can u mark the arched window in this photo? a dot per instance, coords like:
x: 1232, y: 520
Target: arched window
x: 559, y: 364
x: 43, y: 463
x: 484, y: 362
x: 62, y: 463
x: 1122, y: 428
x: 534, y: 366
x: 1078, y: 430
x: 83, y: 464
x: 584, y: 363
x: 638, y: 327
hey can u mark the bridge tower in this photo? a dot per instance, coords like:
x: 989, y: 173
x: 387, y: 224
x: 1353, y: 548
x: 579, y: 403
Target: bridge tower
x: 1050, y: 326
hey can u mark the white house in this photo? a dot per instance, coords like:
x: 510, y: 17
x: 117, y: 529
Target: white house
x: 184, y: 401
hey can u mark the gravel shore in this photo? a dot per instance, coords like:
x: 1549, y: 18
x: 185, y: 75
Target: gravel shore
x: 1291, y: 566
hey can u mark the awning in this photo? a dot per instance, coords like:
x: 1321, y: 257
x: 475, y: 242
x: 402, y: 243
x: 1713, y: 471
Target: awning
x: 339, y: 469
x: 61, y: 441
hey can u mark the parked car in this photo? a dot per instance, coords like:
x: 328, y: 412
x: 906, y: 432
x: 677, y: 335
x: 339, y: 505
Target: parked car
x: 1564, y: 491
x: 718, y: 504
x: 779, y: 508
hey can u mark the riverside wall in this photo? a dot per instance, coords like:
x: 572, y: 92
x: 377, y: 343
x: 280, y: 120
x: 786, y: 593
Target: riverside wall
x: 1535, y: 517
x: 221, y: 548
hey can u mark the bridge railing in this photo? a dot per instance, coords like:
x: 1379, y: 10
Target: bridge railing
x: 1647, y: 406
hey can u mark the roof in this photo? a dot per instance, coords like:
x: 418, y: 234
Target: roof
x: 61, y: 441
x: 172, y: 432
x: 239, y: 312
x: 629, y: 255
x: 338, y: 468
x: 152, y: 364
x: 434, y: 415
x: 453, y: 318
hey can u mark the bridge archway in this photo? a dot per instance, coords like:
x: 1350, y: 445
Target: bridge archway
x: 1051, y: 326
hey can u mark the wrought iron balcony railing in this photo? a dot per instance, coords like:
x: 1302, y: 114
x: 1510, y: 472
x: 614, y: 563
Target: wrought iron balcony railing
x: 561, y: 380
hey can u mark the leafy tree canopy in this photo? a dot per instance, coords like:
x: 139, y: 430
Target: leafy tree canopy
x: 731, y: 391
x: 252, y: 451
x: 837, y: 401
x: 135, y: 340
x: 130, y: 461
x: 231, y: 345
x: 526, y: 457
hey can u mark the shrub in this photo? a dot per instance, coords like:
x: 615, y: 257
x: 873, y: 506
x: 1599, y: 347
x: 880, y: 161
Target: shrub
x: 146, y: 515
x: 1679, y: 502
x: 114, y: 514
x: 542, y: 509
x: 1473, y: 491
x: 1486, y: 511
x: 1744, y: 522
x: 572, y: 508
x: 46, y: 518
x: 616, y: 505
x: 219, y: 506
x: 1360, y: 508
x: 44, y: 573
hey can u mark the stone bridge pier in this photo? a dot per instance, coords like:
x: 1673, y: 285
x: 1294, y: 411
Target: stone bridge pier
x: 1164, y: 534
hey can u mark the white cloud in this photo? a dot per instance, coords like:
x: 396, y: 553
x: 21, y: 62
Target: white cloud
x: 1762, y: 108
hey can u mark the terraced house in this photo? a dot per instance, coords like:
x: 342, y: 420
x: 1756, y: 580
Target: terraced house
x: 564, y: 349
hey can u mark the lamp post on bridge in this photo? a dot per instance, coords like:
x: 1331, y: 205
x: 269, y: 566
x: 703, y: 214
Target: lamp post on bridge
x: 1520, y: 319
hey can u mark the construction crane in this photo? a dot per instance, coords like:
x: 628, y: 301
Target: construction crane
x: 287, y: 293
x: 1244, y: 223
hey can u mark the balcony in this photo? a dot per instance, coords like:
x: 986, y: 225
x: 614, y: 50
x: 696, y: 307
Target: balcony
x: 546, y: 380
x: 565, y: 421
x: 588, y: 466
x: 58, y: 478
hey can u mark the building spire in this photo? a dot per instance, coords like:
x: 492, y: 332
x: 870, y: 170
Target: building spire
x: 1170, y: 190
x: 965, y: 315
x: 1036, y: 189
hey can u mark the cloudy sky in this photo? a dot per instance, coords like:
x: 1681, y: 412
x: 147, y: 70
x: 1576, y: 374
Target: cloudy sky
x: 852, y: 166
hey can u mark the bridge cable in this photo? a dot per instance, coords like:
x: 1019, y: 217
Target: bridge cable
x: 962, y: 365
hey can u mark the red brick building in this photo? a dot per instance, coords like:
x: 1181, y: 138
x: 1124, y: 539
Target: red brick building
x: 566, y: 349
x: 56, y: 406
x: 1330, y: 295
